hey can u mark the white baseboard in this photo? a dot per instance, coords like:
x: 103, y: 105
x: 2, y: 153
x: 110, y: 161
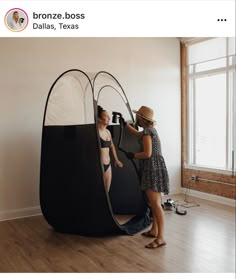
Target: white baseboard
x: 175, y: 191
x: 20, y: 213
x: 209, y: 197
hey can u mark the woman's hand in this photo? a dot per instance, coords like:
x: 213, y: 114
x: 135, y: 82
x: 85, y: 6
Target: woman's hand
x: 118, y: 164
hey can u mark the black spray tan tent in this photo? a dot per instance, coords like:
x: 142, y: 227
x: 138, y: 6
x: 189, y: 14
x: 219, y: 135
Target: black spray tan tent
x: 72, y: 192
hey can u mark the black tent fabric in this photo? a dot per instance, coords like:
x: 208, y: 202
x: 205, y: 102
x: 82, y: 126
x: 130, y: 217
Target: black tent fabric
x: 72, y: 192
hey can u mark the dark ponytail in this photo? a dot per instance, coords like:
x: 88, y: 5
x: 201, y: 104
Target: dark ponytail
x: 100, y: 111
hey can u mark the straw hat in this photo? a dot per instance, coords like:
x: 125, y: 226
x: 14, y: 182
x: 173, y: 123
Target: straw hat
x: 146, y: 113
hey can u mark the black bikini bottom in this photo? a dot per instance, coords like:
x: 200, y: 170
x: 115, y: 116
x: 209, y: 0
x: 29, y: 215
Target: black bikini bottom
x: 106, y: 167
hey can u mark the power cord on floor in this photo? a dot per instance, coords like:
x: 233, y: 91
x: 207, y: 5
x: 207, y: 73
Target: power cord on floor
x: 170, y: 204
x: 189, y: 204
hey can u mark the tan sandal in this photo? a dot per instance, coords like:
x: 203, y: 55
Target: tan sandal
x: 155, y: 244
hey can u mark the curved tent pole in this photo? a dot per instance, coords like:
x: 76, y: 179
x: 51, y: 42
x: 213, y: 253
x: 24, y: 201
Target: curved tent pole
x: 121, y: 127
x: 99, y: 148
x: 105, y: 86
x: 127, y: 103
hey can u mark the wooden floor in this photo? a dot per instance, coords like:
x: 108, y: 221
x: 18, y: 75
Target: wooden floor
x: 201, y: 241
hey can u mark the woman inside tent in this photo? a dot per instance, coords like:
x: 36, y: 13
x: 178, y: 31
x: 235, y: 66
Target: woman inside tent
x: 106, y: 145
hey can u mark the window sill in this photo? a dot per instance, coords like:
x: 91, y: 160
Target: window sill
x: 222, y: 171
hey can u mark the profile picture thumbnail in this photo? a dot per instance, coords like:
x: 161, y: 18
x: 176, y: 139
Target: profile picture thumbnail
x: 16, y: 20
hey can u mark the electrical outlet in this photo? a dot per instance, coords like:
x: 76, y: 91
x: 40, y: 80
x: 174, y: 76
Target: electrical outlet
x: 194, y: 177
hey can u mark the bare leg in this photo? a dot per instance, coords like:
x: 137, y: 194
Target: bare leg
x: 154, y: 228
x: 154, y: 199
x: 107, y: 178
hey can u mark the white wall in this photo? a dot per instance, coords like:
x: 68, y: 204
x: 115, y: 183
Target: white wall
x: 147, y: 68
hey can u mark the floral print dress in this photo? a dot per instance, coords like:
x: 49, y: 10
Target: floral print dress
x: 154, y: 172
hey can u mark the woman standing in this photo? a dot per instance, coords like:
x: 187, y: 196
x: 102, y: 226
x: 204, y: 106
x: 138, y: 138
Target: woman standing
x: 106, y: 145
x: 154, y: 175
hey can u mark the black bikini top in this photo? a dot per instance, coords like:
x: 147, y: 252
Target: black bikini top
x: 105, y: 143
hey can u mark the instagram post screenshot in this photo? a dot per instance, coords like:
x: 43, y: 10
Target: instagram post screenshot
x: 117, y: 138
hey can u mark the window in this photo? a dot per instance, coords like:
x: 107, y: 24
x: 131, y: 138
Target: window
x: 211, y: 104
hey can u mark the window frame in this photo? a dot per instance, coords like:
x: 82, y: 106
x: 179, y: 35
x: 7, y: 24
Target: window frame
x: 190, y: 156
